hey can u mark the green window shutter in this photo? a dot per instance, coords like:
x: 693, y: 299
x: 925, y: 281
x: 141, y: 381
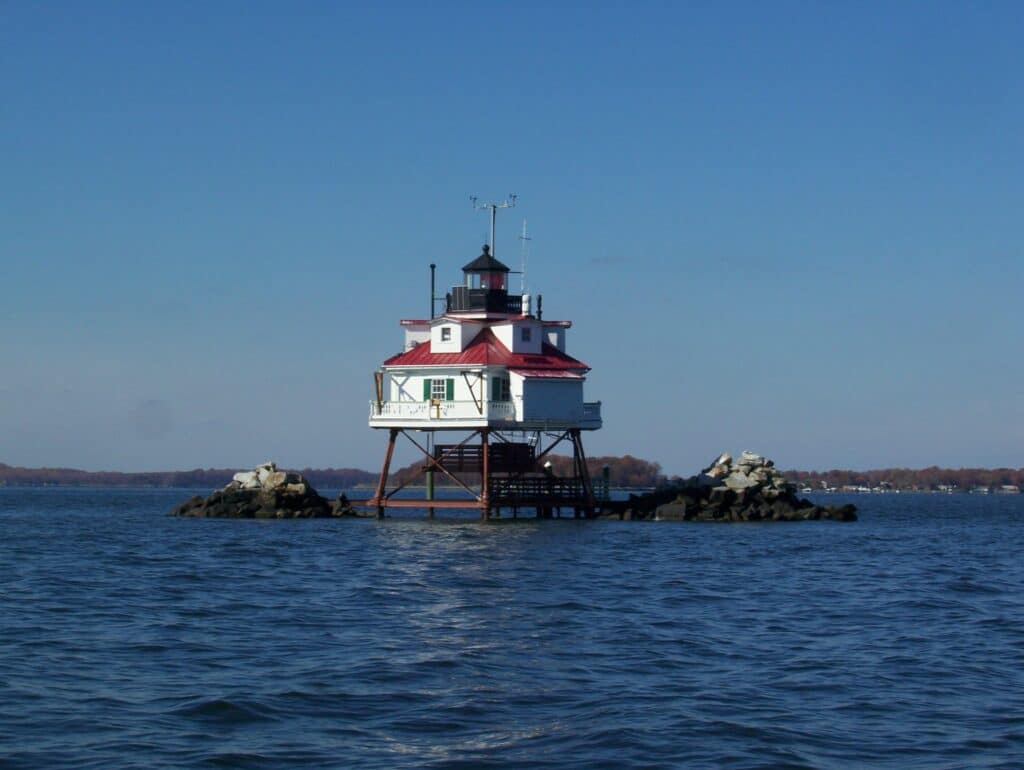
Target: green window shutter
x: 495, y: 388
x: 449, y: 389
x: 426, y: 389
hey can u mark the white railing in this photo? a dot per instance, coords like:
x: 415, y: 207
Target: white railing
x: 473, y: 412
x: 442, y: 410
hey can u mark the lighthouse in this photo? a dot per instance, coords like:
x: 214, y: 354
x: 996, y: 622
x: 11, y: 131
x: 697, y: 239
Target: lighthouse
x: 486, y: 391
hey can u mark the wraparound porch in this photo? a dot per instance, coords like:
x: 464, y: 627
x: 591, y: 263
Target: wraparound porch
x: 476, y: 414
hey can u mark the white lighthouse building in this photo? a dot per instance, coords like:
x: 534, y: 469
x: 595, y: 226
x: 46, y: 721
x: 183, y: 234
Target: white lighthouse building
x: 491, y: 367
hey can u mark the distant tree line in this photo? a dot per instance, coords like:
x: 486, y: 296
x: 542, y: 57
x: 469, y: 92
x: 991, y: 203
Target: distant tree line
x: 198, y: 478
x: 909, y: 479
x: 625, y: 471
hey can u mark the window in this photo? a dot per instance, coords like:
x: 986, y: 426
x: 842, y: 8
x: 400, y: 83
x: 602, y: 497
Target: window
x: 439, y: 389
x: 501, y: 389
x: 446, y: 334
x: 525, y: 334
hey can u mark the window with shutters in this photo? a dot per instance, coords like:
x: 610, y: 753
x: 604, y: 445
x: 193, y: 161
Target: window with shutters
x: 525, y: 333
x: 439, y: 389
x: 446, y: 334
x: 501, y: 389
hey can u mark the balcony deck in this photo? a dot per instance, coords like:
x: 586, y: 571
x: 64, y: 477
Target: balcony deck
x: 458, y: 415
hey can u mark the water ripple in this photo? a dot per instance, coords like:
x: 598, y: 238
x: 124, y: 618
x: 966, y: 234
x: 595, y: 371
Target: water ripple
x: 130, y: 639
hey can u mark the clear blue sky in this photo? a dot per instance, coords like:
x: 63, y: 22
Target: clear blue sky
x: 790, y: 227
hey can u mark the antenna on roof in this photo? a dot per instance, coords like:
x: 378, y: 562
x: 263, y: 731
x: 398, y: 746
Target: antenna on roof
x: 522, y: 258
x: 508, y: 203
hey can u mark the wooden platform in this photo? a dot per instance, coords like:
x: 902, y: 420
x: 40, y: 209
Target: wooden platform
x: 505, y: 457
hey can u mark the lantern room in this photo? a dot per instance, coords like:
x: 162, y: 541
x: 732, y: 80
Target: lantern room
x: 484, y: 288
x: 486, y: 272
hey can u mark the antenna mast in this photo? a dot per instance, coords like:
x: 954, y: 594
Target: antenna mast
x: 522, y: 258
x: 508, y: 203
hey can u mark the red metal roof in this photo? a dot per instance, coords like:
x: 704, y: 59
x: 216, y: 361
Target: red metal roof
x: 484, y: 316
x: 486, y: 349
x: 554, y: 374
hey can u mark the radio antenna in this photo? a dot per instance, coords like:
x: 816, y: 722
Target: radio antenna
x: 508, y: 203
x: 522, y: 258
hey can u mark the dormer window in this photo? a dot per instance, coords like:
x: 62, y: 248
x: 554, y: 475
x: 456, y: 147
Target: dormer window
x: 446, y: 334
x: 525, y: 334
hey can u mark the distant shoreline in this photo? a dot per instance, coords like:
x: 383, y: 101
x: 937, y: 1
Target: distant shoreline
x: 368, y: 488
x: 627, y: 474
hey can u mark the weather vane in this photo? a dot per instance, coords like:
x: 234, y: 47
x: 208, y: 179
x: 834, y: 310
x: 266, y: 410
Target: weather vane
x: 508, y: 203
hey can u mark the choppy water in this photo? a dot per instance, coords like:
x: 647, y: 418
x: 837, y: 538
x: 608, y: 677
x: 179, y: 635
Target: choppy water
x: 131, y: 639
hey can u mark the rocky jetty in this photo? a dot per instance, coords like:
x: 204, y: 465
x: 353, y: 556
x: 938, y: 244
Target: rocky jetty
x: 748, y: 489
x: 266, y: 493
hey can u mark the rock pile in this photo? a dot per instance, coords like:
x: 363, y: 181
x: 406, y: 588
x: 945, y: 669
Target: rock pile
x: 750, y: 489
x: 266, y: 493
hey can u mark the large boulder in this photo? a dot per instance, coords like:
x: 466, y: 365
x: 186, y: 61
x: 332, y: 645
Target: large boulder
x: 751, y: 489
x: 247, y: 479
x: 671, y: 512
x: 264, y: 470
x: 738, y: 481
x: 751, y: 459
x: 266, y: 493
x: 719, y: 467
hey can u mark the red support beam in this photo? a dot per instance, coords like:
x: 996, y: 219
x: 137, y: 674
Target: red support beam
x: 515, y: 490
x: 378, y: 497
x: 433, y: 463
x: 402, y: 502
x: 581, y: 463
x: 485, y: 476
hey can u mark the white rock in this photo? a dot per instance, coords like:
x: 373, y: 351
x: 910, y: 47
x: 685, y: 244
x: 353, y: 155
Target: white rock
x: 740, y: 481
x: 245, y: 477
x: 717, y: 471
x: 274, y: 479
x: 264, y: 470
x: 751, y: 458
x: 720, y: 467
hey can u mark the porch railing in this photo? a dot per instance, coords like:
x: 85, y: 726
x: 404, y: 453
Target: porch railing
x: 441, y: 410
x: 474, y: 411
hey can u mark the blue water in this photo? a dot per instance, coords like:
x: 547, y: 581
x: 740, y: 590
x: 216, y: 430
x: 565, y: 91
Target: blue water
x: 131, y: 639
